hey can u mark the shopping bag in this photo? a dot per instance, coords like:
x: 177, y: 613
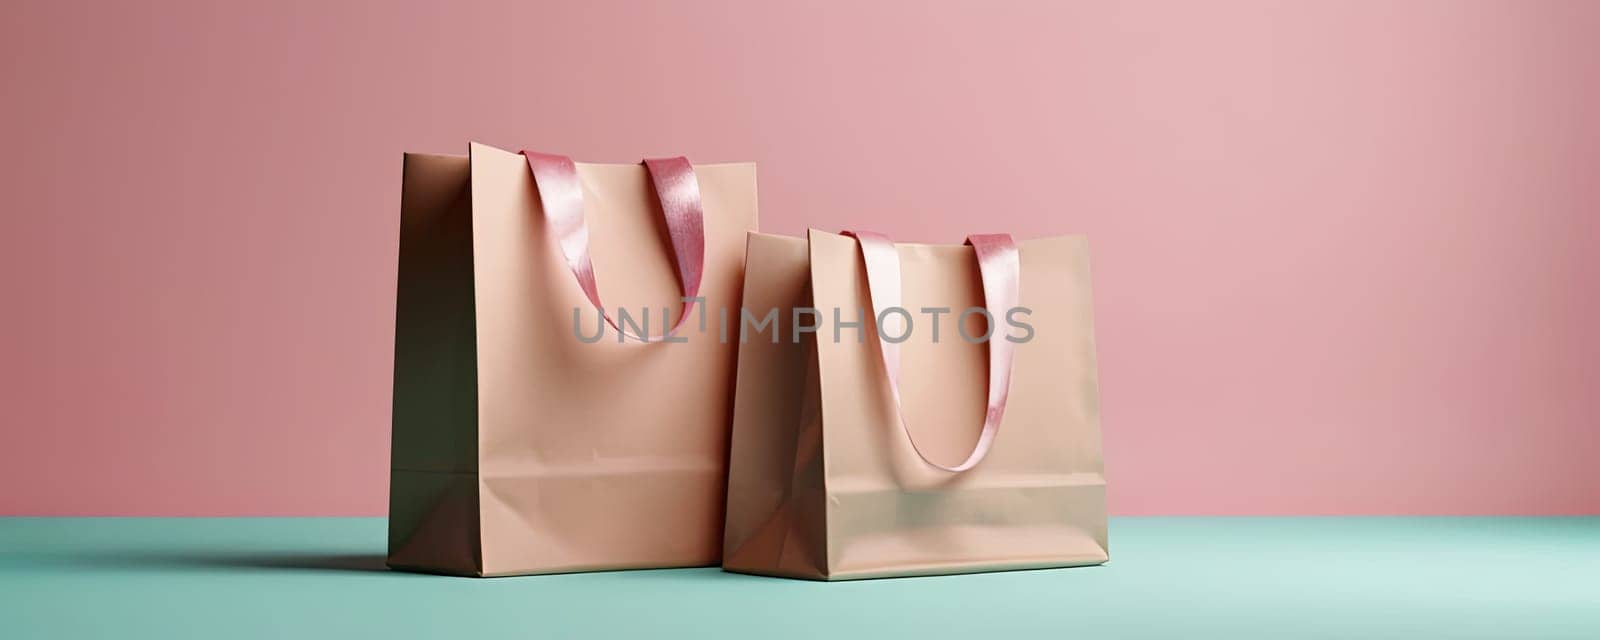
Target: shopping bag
x: 532, y: 434
x: 962, y: 435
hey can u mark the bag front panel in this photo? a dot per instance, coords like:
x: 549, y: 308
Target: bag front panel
x: 600, y: 455
x: 1038, y: 498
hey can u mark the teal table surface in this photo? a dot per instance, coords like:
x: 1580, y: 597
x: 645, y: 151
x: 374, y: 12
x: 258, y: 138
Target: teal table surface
x: 1168, y: 578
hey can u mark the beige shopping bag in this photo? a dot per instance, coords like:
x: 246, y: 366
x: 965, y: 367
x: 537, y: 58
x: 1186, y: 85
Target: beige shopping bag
x: 826, y: 483
x: 519, y: 444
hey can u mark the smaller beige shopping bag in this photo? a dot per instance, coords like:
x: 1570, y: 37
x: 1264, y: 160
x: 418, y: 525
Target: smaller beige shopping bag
x: 963, y: 436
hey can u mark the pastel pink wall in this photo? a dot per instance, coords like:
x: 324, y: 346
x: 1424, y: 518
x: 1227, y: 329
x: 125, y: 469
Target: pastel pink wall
x: 1346, y: 252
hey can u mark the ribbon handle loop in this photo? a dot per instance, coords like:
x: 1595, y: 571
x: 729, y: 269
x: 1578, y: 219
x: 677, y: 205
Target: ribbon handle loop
x: 561, y: 193
x: 1000, y: 269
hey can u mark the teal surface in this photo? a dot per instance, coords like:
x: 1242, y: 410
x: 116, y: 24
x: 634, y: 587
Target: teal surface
x: 1168, y: 578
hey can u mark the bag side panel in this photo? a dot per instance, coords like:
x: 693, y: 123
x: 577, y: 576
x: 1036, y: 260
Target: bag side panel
x: 774, y: 417
x: 433, y: 513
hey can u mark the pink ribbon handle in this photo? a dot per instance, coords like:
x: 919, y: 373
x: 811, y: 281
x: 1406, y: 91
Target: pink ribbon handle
x: 556, y: 178
x: 1001, y: 270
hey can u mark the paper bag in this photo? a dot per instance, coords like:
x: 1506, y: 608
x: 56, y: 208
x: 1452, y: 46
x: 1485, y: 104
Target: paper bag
x: 980, y: 456
x: 520, y: 444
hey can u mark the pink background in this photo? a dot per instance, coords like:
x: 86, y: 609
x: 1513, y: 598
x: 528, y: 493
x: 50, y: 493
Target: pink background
x: 1345, y: 252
